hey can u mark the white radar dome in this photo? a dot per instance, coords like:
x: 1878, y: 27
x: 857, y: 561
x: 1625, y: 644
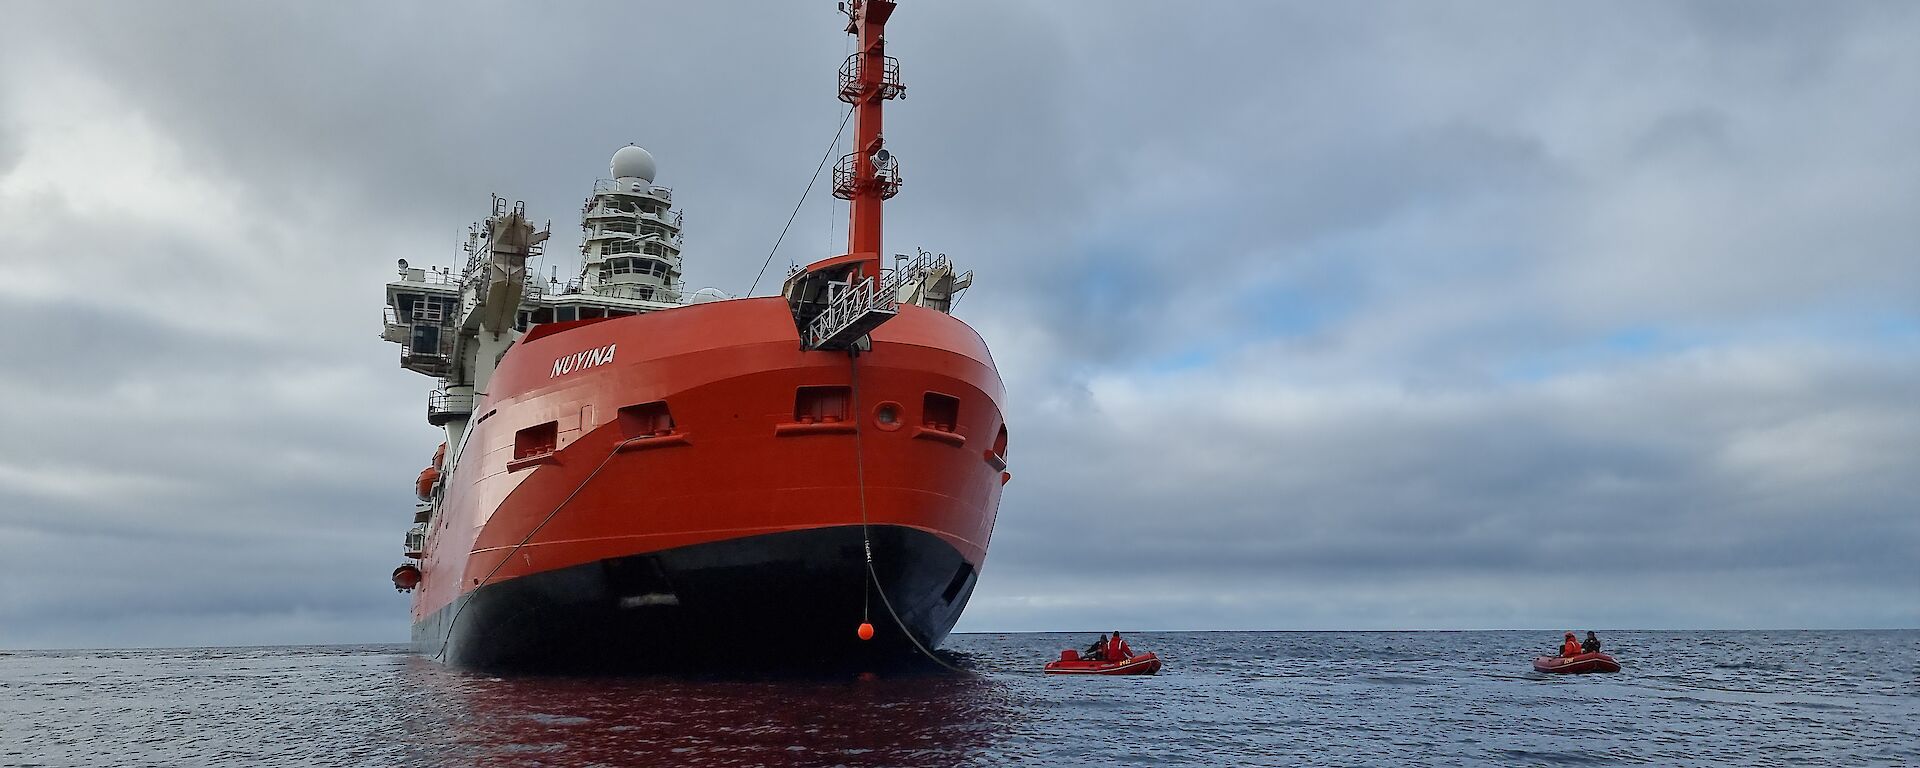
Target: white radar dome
x: 705, y: 295
x: 632, y: 162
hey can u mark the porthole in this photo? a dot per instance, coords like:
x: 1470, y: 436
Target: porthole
x: 887, y: 416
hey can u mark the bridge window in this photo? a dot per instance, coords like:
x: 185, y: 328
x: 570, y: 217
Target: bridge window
x: 433, y: 309
x: 426, y: 340
x: 649, y: 267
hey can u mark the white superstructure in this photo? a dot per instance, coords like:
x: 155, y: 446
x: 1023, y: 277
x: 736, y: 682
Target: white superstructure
x: 630, y: 234
x: 455, y: 326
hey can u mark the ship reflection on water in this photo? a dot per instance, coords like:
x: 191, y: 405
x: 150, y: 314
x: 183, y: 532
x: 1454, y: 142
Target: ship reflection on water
x: 897, y: 717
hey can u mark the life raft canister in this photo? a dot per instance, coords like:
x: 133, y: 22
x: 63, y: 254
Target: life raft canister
x: 423, y: 486
x: 406, y: 577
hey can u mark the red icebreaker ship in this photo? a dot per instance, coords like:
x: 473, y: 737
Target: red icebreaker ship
x: 637, y: 475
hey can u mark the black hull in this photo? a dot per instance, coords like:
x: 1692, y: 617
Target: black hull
x: 786, y: 601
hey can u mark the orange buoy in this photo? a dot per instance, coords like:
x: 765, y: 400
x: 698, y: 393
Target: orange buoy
x: 865, y: 632
x: 406, y: 577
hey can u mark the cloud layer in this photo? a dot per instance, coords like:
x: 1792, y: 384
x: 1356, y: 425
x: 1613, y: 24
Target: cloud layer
x: 1482, y: 315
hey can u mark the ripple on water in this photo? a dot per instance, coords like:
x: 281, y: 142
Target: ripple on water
x: 1224, y: 699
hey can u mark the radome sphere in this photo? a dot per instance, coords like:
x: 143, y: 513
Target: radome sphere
x: 632, y: 162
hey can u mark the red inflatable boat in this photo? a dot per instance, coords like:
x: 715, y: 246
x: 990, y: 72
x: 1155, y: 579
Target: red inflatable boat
x: 1070, y: 663
x: 1576, y: 665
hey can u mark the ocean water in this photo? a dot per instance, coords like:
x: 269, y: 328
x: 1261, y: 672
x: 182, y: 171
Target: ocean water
x: 1239, y: 699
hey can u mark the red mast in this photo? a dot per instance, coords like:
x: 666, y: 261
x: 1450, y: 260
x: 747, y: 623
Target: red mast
x: 870, y: 174
x: 836, y: 301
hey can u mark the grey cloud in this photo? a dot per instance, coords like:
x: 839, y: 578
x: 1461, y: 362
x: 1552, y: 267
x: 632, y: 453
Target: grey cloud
x: 1305, y: 311
x: 1652, y: 477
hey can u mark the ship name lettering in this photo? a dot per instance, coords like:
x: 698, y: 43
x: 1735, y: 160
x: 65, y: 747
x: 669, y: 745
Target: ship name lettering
x: 581, y: 360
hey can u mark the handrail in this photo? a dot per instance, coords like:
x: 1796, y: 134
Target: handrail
x: 852, y: 84
x: 442, y: 401
x: 886, y: 177
x: 602, y: 186
x: 848, y: 306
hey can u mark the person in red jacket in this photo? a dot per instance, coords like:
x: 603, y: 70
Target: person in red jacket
x: 1571, y: 647
x: 1117, y: 649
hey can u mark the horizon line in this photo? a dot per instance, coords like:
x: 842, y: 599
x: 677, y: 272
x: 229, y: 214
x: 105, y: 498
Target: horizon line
x: 5, y: 650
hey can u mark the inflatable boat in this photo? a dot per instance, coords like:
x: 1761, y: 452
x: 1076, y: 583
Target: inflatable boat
x: 1070, y: 663
x: 1576, y: 665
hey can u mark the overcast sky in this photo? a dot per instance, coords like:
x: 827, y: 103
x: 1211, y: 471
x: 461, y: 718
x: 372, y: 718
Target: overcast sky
x: 1312, y: 315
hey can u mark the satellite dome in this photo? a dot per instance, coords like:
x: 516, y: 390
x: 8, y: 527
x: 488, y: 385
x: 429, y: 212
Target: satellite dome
x: 705, y: 295
x: 632, y: 162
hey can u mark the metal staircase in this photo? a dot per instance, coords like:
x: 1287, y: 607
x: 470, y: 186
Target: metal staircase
x: 853, y: 310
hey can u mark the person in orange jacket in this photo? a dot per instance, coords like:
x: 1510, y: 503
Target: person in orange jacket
x: 1117, y: 648
x: 1571, y: 647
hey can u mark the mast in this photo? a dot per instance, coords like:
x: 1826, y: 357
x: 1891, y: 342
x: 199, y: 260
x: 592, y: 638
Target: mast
x: 870, y: 174
x: 837, y: 300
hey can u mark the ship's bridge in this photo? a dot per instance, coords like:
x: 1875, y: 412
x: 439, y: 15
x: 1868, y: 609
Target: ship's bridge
x: 630, y: 235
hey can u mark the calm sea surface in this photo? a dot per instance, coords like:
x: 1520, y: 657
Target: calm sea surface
x: 1257, y: 698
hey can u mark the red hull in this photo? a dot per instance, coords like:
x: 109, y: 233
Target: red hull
x: 1143, y: 664
x: 737, y: 463
x: 1575, y: 665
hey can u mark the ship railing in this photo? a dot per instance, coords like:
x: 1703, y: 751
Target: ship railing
x: 591, y: 211
x: 907, y: 272
x: 429, y: 363
x: 604, y: 186
x: 422, y: 314
x: 409, y: 351
x: 395, y: 321
x: 847, y: 181
x: 443, y: 407
x: 851, y: 311
x: 668, y: 293
x: 430, y: 276
x: 852, y: 84
x: 417, y: 540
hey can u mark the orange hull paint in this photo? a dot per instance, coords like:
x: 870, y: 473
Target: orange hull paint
x: 728, y: 371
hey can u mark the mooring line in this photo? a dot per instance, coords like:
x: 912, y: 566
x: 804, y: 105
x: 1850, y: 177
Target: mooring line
x: 866, y: 535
